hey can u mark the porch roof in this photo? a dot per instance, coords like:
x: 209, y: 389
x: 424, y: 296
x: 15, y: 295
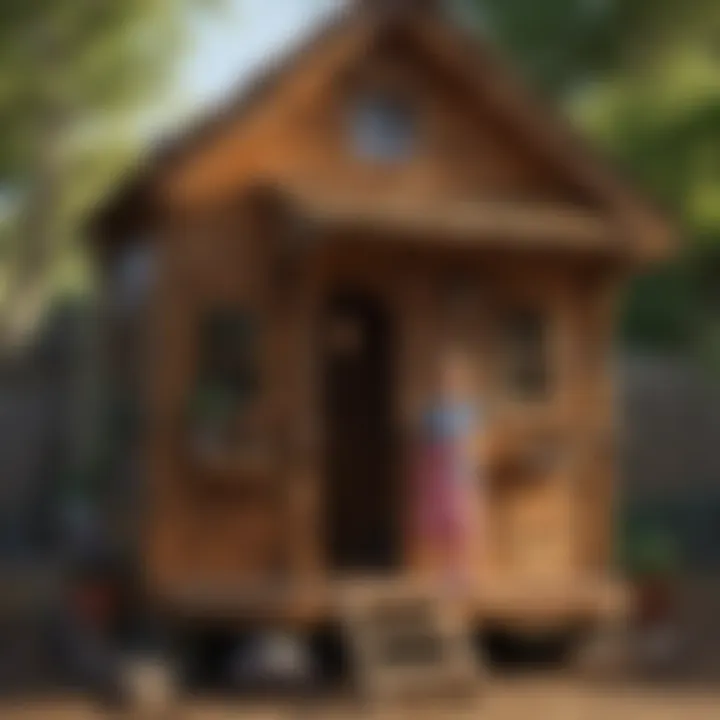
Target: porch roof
x: 459, y: 223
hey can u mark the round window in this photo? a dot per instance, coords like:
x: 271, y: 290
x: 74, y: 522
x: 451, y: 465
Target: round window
x: 383, y: 128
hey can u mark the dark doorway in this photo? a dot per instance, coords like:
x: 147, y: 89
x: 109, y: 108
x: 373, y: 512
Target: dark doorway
x: 362, y: 488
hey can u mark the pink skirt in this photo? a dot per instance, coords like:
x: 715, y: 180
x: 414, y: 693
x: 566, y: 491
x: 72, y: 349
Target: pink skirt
x: 442, y: 505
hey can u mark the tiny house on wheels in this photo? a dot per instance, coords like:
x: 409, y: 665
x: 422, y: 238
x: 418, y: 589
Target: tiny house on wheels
x: 286, y: 282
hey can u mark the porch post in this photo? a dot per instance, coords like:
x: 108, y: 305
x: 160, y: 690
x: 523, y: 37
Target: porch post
x: 296, y: 293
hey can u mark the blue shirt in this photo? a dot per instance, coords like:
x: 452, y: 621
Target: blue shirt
x: 448, y: 420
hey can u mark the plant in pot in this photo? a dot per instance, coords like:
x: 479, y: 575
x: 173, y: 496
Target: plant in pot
x: 652, y: 564
x: 212, y: 415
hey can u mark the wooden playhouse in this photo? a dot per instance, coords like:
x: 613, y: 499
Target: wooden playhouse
x: 385, y: 195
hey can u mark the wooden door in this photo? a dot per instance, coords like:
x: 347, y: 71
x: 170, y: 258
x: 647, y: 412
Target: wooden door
x: 362, y: 508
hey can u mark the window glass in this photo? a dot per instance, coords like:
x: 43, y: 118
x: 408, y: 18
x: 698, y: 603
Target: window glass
x: 228, y: 349
x: 228, y: 374
x: 525, y: 362
x: 134, y: 276
x: 383, y: 128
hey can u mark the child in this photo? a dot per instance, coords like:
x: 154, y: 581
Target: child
x: 446, y: 495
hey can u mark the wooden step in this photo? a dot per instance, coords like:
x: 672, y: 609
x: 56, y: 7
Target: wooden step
x: 410, y: 644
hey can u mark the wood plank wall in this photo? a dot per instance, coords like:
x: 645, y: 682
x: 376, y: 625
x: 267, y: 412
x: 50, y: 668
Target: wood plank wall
x: 197, y: 533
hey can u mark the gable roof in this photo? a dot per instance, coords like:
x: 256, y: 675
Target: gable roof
x: 134, y: 188
x: 652, y: 234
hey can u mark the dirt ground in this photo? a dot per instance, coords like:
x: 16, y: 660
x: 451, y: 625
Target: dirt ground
x: 507, y: 699
x: 690, y: 690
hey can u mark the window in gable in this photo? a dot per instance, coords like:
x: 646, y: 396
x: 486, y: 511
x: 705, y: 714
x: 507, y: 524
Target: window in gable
x: 384, y: 128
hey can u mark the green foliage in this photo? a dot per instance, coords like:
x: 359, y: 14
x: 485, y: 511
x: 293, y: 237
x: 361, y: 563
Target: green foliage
x: 650, y: 552
x: 212, y: 404
x: 76, y: 77
x: 562, y: 44
x: 662, y: 310
x: 643, y: 78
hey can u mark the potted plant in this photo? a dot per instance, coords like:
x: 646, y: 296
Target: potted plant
x: 212, y: 413
x: 652, y: 566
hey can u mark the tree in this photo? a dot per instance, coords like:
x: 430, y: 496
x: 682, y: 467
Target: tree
x: 640, y: 76
x: 75, y: 77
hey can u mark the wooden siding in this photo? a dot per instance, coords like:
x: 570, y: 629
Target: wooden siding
x: 545, y: 519
x: 240, y: 533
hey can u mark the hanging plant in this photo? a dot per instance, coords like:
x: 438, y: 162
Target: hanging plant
x: 652, y: 553
x: 226, y: 383
x: 212, y: 412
